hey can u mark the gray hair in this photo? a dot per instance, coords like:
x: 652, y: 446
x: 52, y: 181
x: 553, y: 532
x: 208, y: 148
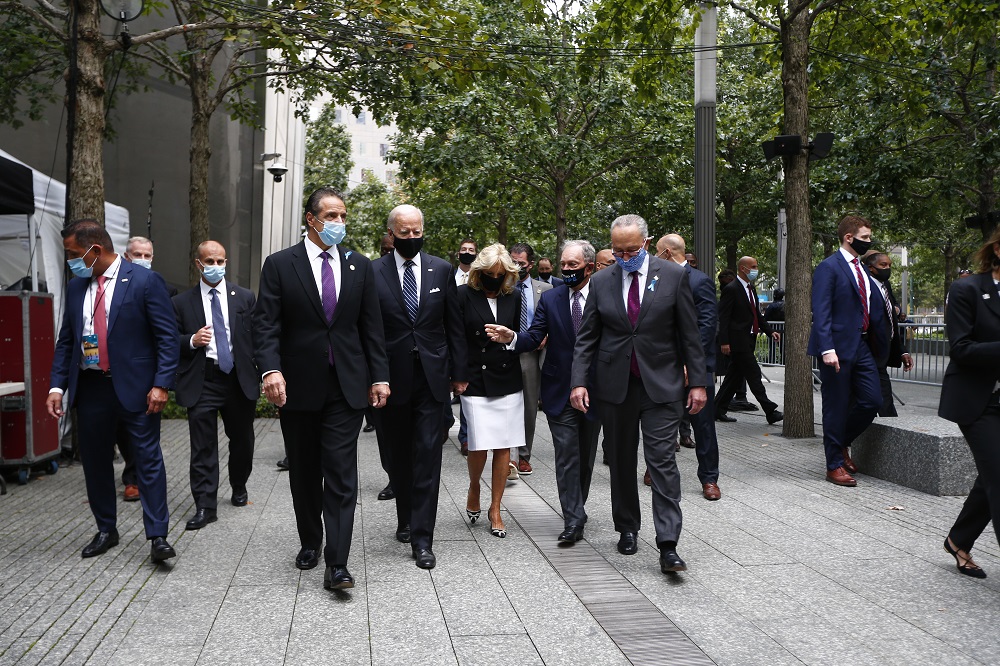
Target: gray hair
x: 589, y: 254
x: 401, y: 209
x: 137, y: 239
x: 631, y: 221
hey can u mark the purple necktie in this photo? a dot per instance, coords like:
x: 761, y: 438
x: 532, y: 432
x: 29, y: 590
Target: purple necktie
x: 329, y: 292
x: 577, y: 312
x: 633, y: 316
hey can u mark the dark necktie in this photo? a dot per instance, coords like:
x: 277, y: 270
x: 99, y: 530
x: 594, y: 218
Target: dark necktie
x: 577, y: 312
x: 219, y: 331
x: 410, y: 290
x: 888, y: 312
x: 633, y: 317
x: 101, y: 326
x: 863, y: 292
x: 753, y: 308
x: 329, y: 293
x: 524, y: 306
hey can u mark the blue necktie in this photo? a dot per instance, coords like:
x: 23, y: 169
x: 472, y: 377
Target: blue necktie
x: 524, y: 306
x: 410, y: 290
x: 221, y: 339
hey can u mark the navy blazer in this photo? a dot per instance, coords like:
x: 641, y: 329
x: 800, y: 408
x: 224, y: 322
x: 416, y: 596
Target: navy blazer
x: 837, y: 310
x: 703, y: 291
x: 553, y: 319
x: 142, y: 337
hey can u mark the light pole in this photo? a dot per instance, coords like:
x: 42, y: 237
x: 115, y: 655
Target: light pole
x: 705, y: 60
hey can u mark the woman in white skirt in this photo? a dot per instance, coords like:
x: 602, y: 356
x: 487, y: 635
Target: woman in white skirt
x: 493, y: 403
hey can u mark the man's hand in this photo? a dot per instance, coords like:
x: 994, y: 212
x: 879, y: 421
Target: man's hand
x: 498, y: 333
x: 697, y: 397
x: 458, y: 388
x: 830, y: 358
x: 274, y: 389
x: 724, y: 349
x: 685, y: 376
x: 156, y: 400
x: 907, y: 362
x: 776, y: 336
x: 378, y: 394
x: 580, y: 399
x: 53, y: 404
x: 545, y: 341
x: 202, y: 337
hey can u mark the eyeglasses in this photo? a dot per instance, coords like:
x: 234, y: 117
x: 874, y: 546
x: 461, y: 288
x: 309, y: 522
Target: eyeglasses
x: 626, y: 254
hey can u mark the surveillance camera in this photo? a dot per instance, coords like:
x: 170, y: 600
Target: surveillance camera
x: 277, y: 170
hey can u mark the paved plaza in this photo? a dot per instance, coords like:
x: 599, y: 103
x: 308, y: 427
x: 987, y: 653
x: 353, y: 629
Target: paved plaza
x: 784, y: 569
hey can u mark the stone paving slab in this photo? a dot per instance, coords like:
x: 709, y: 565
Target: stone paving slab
x: 785, y: 569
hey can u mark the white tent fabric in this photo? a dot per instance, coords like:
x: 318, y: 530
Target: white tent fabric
x: 47, y: 223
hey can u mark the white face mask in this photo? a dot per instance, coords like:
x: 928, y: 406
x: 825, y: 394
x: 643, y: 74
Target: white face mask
x: 145, y: 263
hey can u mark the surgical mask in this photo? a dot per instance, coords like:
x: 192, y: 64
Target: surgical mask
x: 213, y: 274
x: 752, y: 275
x: 882, y: 274
x: 466, y: 258
x: 860, y: 246
x: 574, y: 277
x: 544, y: 276
x: 145, y: 263
x: 491, y: 283
x: 407, y: 247
x: 633, y: 264
x: 79, y: 266
x: 332, y: 233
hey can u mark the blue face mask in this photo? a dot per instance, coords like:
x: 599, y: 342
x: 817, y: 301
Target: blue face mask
x: 213, y: 274
x: 332, y: 233
x: 79, y: 266
x: 752, y: 275
x: 633, y: 264
x: 145, y: 263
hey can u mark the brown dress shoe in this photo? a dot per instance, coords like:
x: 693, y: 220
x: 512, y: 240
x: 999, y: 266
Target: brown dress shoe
x: 711, y: 491
x: 840, y: 477
x: 131, y: 493
x: 645, y: 478
x: 523, y: 467
x: 686, y: 442
x: 848, y: 463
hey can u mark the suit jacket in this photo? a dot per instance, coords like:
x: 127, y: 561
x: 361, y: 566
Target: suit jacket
x: 666, y: 335
x: 291, y: 333
x: 190, y: 313
x: 703, y: 292
x: 837, y: 310
x: 972, y: 321
x: 897, y: 345
x: 142, y: 337
x: 736, y: 318
x: 437, y: 335
x: 553, y: 281
x: 537, y: 289
x: 553, y: 319
x: 493, y: 370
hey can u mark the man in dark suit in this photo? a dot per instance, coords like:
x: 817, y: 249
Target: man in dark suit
x: 426, y: 343
x: 574, y: 434
x: 531, y: 291
x: 545, y: 272
x: 895, y: 354
x: 849, y: 322
x: 217, y: 374
x: 318, y: 335
x: 740, y: 320
x: 703, y: 292
x: 640, y: 328
x: 116, y: 355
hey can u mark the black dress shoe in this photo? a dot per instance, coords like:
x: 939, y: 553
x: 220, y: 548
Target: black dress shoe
x: 774, y: 417
x: 201, y: 518
x: 725, y: 418
x: 283, y: 464
x: 368, y: 428
x: 307, y: 558
x: 671, y: 562
x: 424, y: 557
x: 628, y: 544
x: 160, y: 550
x: 240, y: 497
x: 571, y: 535
x: 403, y: 534
x: 387, y: 493
x: 742, y: 406
x: 100, y: 543
x: 338, y: 578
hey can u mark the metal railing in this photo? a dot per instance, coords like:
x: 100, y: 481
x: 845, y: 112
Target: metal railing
x: 926, y: 343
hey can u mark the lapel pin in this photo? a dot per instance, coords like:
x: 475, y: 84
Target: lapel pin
x: 652, y: 285
x: 986, y: 297
x: 124, y: 279
x: 352, y: 267
x: 232, y: 293
x: 348, y: 254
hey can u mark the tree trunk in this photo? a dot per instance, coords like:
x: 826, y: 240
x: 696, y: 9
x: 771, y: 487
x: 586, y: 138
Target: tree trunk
x: 502, y: 223
x: 799, y: 419
x: 200, y: 154
x: 560, y: 209
x: 950, y: 255
x: 86, y: 172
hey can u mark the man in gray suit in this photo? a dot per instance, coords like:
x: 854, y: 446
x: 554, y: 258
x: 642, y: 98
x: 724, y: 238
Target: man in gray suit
x: 640, y: 326
x: 531, y: 362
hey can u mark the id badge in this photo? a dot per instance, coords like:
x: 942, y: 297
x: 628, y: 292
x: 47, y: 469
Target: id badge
x: 91, y: 354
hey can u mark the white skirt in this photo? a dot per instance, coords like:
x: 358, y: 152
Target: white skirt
x: 494, y: 423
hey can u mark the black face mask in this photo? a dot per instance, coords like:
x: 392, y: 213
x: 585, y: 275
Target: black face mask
x: 466, y: 258
x: 882, y: 274
x: 491, y: 283
x: 574, y: 277
x: 544, y: 276
x: 407, y: 247
x: 860, y: 246
x: 523, y: 273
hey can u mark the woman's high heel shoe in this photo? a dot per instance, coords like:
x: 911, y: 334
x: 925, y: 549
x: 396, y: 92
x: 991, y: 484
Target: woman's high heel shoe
x: 500, y: 533
x: 968, y: 569
x: 473, y: 516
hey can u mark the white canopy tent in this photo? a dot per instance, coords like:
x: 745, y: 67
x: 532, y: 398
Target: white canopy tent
x: 32, y: 245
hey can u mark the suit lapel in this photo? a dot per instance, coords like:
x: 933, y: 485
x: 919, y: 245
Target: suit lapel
x: 235, y: 315
x: 348, y: 275
x: 426, y: 278
x: 124, y: 279
x: 652, y: 279
x: 989, y: 289
x: 616, y: 293
x: 300, y: 262
x: 852, y: 277
x: 563, y: 314
x: 483, y: 307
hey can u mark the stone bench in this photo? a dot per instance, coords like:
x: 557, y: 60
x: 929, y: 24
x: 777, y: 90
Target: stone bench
x: 925, y: 453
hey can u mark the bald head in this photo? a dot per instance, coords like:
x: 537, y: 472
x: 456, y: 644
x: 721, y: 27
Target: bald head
x: 671, y: 246
x: 747, y: 268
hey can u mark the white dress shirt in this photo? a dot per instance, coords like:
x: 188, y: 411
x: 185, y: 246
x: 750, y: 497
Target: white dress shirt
x: 753, y: 304
x: 584, y: 292
x: 627, y: 281
x: 316, y: 264
x: 401, y: 270
x: 212, y: 351
x: 461, y: 277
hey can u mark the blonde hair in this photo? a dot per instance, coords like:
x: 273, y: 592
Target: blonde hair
x: 487, y: 259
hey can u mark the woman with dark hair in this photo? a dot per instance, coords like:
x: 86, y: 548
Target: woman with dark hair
x: 970, y: 396
x: 493, y: 403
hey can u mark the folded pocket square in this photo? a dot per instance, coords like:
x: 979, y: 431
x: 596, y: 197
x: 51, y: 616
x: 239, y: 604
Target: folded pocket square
x: 434, y: 290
